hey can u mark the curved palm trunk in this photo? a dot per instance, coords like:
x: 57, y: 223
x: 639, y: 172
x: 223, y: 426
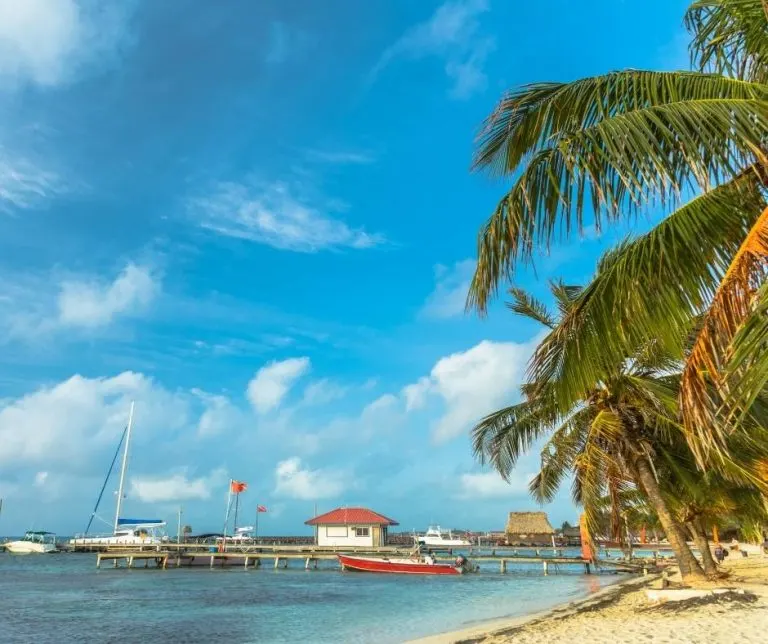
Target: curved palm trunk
x: 699, y: 535
x: 689, y: 566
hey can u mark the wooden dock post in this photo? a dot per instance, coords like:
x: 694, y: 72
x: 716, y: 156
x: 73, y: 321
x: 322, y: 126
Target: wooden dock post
x: 98, y: 560
x: 586, y: 568
x: 130, y: 562
x: 277, y: 562
x: 245, y: 565
x: 307, y: 563
x: 503, y: 566
x: 213, y: 558
x: 546, y: 564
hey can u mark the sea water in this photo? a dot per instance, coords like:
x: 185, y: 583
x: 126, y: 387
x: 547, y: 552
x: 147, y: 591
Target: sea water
x: 64, y: 598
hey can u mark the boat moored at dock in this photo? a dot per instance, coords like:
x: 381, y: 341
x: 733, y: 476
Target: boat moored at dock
x: 34, y: 542
x: 436, y: 539
x: 406, y: 566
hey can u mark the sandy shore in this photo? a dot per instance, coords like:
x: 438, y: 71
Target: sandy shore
x: 624, y: 613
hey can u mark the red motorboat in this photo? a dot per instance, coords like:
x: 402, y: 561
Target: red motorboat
x: 414, y: 566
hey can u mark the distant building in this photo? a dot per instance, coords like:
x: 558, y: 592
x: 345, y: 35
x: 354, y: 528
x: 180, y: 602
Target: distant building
x: 572, y: 536
x: 351, y: 527
x: 529, y: 529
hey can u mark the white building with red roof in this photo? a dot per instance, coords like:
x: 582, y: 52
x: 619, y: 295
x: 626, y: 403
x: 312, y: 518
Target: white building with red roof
x: 351, y: 527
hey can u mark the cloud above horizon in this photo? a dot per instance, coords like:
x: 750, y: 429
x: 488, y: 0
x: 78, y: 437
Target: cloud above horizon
x: 449, y: 296
x: 47, y: 42
x: 294, y: 480
x: 277, y: 215
x: 272, y: 383
x: 454, y: 35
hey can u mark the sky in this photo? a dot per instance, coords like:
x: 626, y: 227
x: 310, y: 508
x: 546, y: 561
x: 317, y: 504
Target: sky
x: 258, y: 222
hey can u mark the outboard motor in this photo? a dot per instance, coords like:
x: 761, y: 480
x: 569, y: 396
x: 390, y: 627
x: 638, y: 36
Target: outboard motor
x: 462, y: 563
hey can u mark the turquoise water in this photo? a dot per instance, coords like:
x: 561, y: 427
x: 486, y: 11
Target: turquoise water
x: 64, y: 598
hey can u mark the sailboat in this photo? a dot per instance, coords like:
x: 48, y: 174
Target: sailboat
x: 125, y: 531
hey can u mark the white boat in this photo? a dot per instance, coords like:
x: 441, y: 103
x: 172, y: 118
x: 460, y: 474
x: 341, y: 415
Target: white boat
x: 140, y: 532
x: 33, y: 542
x: 125, y: 531
x: 434, y: 537
x: 242, y: 535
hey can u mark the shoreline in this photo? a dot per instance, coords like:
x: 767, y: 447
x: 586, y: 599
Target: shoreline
x: 502, y: 626
x: 732, y: 609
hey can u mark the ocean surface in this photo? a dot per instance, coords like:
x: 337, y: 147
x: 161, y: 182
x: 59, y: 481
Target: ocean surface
x: 64, y: 598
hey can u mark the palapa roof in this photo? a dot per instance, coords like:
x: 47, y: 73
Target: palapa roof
x: 529, y: 523
x: 351, y: 516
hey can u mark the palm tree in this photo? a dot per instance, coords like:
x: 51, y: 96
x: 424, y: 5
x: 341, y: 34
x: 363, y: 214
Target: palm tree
x: 609, y: 438
x: 604, y: 149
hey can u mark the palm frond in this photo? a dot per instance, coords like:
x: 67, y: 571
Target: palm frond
x: 558, y: 455
x: 730, y: 37
x: 523, y: 303
x: 613, y: 158
x: 647, y: 288
x: 747, y: 367
x: 503, y: 436
x: 565, y: 295
x: 730, y: 306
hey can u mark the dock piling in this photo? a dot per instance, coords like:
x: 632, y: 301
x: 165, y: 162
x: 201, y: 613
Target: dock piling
x: 546, y: 565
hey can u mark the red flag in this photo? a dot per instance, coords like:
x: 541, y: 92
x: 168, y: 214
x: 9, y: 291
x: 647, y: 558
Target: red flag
x: 238, y: 486
x: 261, y: 508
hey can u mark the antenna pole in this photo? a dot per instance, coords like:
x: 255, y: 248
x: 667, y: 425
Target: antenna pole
x: 122, y: 469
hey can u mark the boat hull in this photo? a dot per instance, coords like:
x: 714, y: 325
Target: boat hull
x: 396, y: 566
x: 29, y: 548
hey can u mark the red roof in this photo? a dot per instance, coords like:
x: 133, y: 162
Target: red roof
x: 349, y: 516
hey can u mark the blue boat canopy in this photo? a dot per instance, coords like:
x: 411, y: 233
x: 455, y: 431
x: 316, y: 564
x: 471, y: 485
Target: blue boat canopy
x: 122, y: 521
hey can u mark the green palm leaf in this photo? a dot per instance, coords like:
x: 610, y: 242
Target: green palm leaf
x: 609, y: 144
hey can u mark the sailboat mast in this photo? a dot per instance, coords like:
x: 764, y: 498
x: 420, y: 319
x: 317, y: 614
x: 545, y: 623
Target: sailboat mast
x: 122, y: 469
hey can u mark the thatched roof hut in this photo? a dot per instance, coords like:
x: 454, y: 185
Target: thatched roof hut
x: 529, y: 527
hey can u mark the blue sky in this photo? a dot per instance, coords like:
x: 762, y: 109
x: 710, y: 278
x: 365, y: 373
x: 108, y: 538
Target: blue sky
x: 259, y: 223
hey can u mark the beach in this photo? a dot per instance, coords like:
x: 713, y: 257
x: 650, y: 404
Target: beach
x: 624, y: 613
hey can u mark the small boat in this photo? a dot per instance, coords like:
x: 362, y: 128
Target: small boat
x: 33, y: 542
x: 406, y: 566
x: 435, y: 538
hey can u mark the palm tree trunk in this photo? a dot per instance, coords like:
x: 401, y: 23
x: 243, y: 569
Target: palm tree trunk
x: 689, y: 566
x: 699, y: 535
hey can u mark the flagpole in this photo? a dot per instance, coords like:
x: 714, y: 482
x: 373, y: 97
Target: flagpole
x: 256, y: 531
x: 226, y: 516
x: 237, y: 507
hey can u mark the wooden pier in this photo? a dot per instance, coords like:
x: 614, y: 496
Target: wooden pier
x: 249, y: 557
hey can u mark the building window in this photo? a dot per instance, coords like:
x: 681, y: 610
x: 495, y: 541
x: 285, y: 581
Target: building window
x: 361, y: 532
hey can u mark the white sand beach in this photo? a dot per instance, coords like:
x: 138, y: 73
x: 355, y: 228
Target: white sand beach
x: 624, y: 613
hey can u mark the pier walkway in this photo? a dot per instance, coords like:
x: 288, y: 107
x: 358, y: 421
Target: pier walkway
x: 247, y: 557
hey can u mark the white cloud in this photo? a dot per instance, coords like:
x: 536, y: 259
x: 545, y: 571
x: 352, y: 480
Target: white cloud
x: 295, y: 481
x: 491, y: 485
x: 177, y: 487
x: 454, y: 35
x: 322, y: 392
x: 271, y: 383
x: 274, y: 215
x: 66, y: 422
x: 341, y: 157
x: 23, y: 184
x: 47, y: 42
x: 471, y: 384
x: 219, y: 415
x: 93, y: 303
x: 40, y: 479
x: 450, y: 293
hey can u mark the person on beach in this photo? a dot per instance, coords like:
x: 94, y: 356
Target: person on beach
x: 720, y: 553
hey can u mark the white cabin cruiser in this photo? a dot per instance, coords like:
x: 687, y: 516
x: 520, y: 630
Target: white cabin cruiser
x: 434, y: 537
x: 33, y: 542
